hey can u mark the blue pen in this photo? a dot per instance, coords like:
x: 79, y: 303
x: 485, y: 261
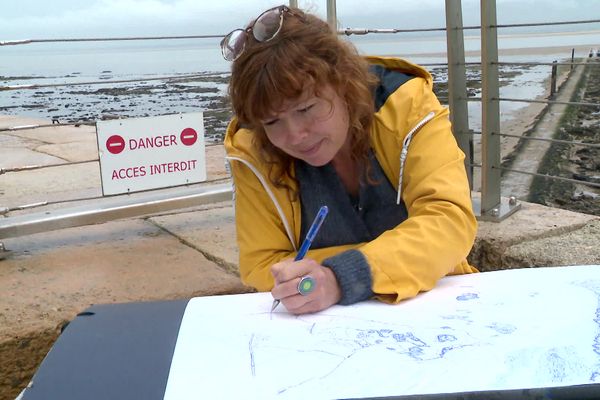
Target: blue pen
x: 307, y: 283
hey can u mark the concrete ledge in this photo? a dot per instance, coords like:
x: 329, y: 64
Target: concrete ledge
x: 523, y: 239
x: 581, y: 246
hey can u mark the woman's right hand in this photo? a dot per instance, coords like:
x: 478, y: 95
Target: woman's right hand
x: 288, y: 274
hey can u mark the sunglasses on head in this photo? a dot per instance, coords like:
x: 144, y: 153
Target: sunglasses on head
x: 264, y: 28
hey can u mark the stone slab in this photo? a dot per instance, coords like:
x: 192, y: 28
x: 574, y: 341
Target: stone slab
x: 60, y: 134
x: 15, y: 157
x: 578, y: 247
x: 211, y: 231
x: 532, y: 221
x: 71, y: 151
x: 50, y: 184
x: 531, y: 224
x: 54, y: 275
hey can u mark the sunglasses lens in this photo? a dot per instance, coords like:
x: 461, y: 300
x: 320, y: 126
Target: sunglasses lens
x: 233, y: 44
x: 267, y: 25
x: 264, y: 28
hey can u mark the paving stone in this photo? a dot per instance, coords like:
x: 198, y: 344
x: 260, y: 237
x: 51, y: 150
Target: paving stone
x: 211, y: 231
x: 578, y: 247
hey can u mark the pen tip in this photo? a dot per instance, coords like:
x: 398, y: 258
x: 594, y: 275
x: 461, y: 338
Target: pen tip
x: 275, y: 304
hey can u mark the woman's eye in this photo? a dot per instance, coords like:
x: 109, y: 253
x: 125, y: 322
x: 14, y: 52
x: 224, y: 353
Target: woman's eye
x: 270, y: 122
x: 305, y: 109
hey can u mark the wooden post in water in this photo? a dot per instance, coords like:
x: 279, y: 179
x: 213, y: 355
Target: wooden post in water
x: 572, y: 57
x: 553, y: 79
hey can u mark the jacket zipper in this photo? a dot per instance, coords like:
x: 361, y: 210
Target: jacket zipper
x: 404, y: 152
x: 265, y: 184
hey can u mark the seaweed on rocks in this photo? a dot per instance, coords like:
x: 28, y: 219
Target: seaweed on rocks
x: 580, y: 124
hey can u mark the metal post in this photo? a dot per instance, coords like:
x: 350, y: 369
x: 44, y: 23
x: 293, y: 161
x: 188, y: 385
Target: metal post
x: 491, y: 207
x: 332, y: 15
x: 294, y: 3
x: 457, y: 83
x: 3, y: 251
x: 110, y: 209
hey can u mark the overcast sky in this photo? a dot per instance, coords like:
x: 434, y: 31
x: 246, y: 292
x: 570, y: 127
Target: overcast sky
x: 36, y: 19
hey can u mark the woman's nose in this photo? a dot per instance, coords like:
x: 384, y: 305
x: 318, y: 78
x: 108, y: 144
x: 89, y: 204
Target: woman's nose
x: 296, y: 131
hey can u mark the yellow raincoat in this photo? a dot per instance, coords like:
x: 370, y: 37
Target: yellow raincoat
x: 411, y: 132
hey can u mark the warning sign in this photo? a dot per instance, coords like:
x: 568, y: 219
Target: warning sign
x: 148, y: 153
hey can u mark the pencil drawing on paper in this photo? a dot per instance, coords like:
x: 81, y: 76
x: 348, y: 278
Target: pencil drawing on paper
x: 334, y: 344
x: 467, y: 296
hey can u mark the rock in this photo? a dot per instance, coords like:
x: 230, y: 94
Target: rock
x: 585, y: 195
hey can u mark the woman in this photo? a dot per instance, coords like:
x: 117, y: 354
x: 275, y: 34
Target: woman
x: 316, y: 124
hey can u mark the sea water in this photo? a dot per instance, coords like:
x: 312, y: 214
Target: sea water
x: 147, y: 57
x: 76, y: 62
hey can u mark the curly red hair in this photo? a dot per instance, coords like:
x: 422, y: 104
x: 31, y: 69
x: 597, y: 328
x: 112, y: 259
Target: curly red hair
x: 305, y: 55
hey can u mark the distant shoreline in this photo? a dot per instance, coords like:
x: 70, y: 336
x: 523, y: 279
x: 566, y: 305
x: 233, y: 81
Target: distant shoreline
x: 140, y: 99
x: 580, y: 51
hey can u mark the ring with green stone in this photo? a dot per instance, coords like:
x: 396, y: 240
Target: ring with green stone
x: 306, y: 285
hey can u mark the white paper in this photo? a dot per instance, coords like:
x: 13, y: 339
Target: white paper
x: 525, y: 328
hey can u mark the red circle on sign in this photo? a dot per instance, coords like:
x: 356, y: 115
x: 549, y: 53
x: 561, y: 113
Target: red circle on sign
x: 115, y: 144
x: 188, y: 136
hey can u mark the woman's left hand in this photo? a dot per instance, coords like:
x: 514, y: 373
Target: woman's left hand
x: 287, y: 276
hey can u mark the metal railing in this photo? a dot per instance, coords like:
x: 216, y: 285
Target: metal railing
x: 490, y: 206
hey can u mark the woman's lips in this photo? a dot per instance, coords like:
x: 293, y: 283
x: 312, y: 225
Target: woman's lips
x: 312, y: 150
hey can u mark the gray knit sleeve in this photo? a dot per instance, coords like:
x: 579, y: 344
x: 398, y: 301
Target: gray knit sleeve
x: 353, y: 274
